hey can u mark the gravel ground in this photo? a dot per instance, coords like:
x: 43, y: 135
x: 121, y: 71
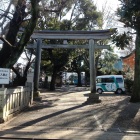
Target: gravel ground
x: 114, y: 112
x: 64, y: 109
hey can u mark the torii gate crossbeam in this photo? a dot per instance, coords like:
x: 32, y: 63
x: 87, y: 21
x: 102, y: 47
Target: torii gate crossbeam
x: 55, y: 46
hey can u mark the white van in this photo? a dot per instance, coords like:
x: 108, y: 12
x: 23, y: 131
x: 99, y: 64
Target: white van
x: 110, y: 83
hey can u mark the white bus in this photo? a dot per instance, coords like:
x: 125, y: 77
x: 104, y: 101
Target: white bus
x: 110, y: 83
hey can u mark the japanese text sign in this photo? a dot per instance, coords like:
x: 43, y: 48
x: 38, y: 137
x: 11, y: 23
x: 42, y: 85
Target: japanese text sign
x: 4, y: 76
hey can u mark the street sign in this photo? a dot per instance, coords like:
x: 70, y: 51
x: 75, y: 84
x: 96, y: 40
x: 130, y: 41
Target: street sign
x: 4, y: 76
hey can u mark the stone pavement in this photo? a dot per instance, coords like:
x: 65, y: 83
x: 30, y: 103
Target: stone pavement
x: 62, y: 115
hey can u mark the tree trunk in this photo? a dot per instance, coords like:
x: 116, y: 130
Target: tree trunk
x: 19, y: 81
x: 10, y: 54
x: 136, y: 87
x: 87, y: 77
x: 79, y: 84
x: 14, y: 26
x: 52, y: 84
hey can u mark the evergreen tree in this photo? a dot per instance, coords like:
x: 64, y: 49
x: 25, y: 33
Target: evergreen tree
x: 129, y: 13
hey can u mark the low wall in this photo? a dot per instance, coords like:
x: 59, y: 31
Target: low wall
x: 13, y: 100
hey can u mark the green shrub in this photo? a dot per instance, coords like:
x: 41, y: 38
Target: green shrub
x: 129, y: 85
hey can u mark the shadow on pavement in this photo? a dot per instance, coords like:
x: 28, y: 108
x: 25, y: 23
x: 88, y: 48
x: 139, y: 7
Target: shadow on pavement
x: 32, y: 122
x: 107, y: 94
x: 128, y: 117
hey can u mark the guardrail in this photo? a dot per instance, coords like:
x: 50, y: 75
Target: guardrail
x: 13, y: 100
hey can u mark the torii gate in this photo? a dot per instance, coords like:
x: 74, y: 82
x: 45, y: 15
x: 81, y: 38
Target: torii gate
x: 92, y: 36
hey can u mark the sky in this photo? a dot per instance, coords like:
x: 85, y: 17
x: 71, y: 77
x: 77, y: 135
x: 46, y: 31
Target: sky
x: 110, y: 7
x: 113, y: 4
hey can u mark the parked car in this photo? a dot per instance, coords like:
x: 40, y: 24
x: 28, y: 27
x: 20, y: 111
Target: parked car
x: 110, y: 83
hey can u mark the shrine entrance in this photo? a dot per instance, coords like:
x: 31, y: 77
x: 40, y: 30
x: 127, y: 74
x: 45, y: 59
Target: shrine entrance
x: 91, y: 36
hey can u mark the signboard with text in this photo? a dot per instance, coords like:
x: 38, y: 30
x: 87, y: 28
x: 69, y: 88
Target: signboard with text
x: 4, y: 76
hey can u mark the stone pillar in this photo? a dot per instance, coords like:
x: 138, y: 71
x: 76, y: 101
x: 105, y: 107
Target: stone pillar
x: 92, y: 66
x: 37, y: 65
x: 93, y: 97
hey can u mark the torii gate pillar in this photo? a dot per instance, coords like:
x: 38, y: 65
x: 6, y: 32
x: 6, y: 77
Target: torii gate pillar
x: 37, y: 66
x: 93, y: 97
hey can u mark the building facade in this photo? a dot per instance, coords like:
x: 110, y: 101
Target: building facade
x: 129, y: 62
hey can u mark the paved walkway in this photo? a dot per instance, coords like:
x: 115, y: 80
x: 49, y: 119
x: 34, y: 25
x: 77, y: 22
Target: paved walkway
x: 61, y: 115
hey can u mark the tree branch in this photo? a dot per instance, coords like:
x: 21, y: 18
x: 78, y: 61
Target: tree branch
x: 131, y: 32
x: 6, y: 42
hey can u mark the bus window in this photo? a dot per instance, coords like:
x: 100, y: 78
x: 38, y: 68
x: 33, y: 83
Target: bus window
x: 98, y: 80
x: 119, y: 80
x: 107, y: 80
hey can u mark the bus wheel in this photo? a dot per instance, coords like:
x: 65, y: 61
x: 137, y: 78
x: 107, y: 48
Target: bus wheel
x: 119, y: 91
x: 100, y: 91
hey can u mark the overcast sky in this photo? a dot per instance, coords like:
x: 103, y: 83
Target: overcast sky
x: 113, y: 4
